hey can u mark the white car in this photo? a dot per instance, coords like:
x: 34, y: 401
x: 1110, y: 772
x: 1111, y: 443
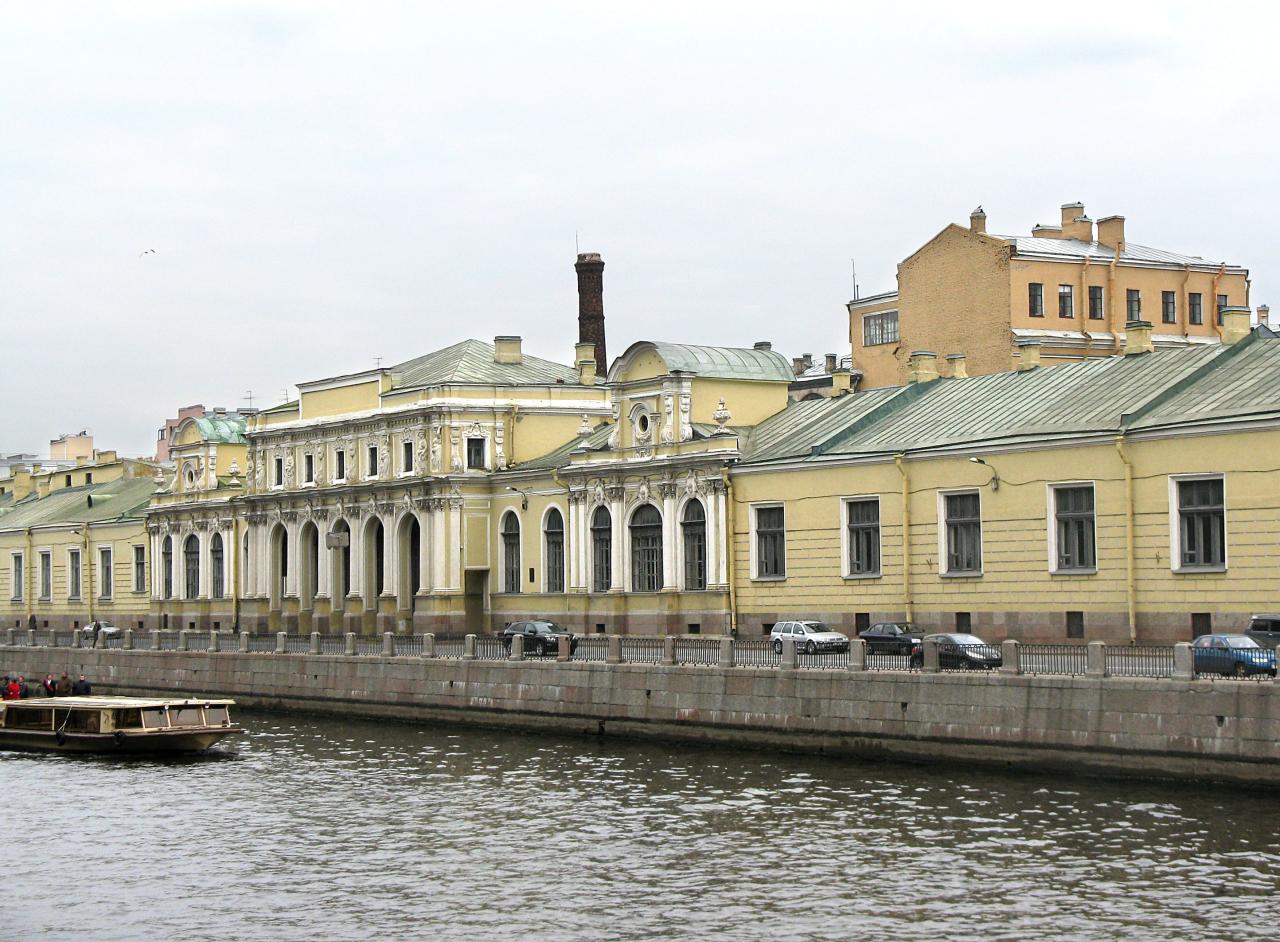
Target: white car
x: 811, y: 637
x: 105, y: 629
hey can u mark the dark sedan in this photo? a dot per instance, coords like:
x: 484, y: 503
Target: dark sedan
x: 1232, y: 656
x: 959, y: 652
x: 540, y: 637
x: 891, y: 638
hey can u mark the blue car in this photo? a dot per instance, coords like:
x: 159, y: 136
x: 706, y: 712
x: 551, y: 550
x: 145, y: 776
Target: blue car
x: 1232, y: 656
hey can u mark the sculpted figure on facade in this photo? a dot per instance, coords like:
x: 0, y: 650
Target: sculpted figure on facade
x: 598, y: 492
x: 691, y: 485
x: 384, y: 456
x: 435, y: 448
x: 642, y: 492
x: 420, y: 457
x: 686, y: 425
x: 499, y: 452
x: 319, y: 468
x: 668, y: 422
x: 615, y: 436
x: 455, y: 452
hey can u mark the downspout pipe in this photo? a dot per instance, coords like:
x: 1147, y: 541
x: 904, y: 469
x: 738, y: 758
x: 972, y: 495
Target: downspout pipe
x: 1186, y: 301
x: 1111, y: 299
x: 729, y: 540
x: 1084, y: 305
x: 1217, y: 318
x: 907, y: 608
x: 1131, y: 580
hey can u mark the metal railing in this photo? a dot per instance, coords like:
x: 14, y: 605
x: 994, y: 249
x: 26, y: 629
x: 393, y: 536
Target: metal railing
x: 967, y: 657
x: 892, y: 662
x: 1139, y: 660
x: 760, y: 653
x: 591, y: 648
x: 1054, y: 658
x: 697, y: 651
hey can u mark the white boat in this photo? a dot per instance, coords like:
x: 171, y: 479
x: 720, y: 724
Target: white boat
x: 111, y: 725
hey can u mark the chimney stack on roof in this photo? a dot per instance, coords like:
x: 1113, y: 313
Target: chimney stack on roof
x: 922, y: 367
x: 956, y: 362
x: 1075, y: 224
x: 764, y: 345
x: 978, y: 220
x: 1235, y: 324
x: 1264, y: 315
x: 830, y: 363
x: 1111, y: 232
x: 590, y: 269
x: 507, y: 350
x: 1137, y: 338
x: 584, y: 358
x: 1028, y: 354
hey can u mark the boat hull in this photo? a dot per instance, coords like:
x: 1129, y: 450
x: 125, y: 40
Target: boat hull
x: 157, y: 742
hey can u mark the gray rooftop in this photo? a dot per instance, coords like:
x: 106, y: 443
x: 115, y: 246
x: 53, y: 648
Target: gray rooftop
x: 741, y: 363
x: 125, y: 499
x: 1077, y: 248
x: 470, y: 362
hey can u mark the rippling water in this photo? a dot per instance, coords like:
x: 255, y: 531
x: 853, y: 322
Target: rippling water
x: 314, y: 829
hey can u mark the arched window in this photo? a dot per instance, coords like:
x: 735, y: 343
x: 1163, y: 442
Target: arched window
x: 191, y: 565
x: 510, y: 553
x: 379, y: 549
x: 646, y: 549
x: 342, y: 578
x: 601, y: 550
x: 694, y: 527
x: 555, y: 551
x: 166, y: 559
x: 217, y: 567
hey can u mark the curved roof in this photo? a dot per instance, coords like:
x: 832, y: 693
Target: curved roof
x: 742, y: 363
x: 228, y: 429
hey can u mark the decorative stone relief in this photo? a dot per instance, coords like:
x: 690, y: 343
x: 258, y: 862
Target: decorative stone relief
x: 500, y: 453
x: 320, y: 450
x: 668, y: 425
x: 615, y: 492
x: 615, y: 436
x: 667, y: 489
x: 686, y: 426
x: 435, y: 448
x: 584, y: 427
x: 722, y: 415
x: 420, y: 449
x: 384, y: 456
x: 691, y: 485
x: 455, y: 452
x: 598, y: 492
x: 288, y: 468
x: 642, y: 492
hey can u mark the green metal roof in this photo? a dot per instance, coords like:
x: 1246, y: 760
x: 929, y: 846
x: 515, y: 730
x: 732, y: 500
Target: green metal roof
x: 1243, y: 382
x: 723, y: 362
x: 598, y: 439
x: 124, y: 499
x: 802, y: 425
x: 227, y: 429
x: 471, y: 362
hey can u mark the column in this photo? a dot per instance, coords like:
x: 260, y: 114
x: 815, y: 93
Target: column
x: 324, y: 561
x: 206, y: 563
x: 439, y: 547
x: 391, y: 557
x: 714, y: 531
x: 455, y: 544
x: 571, y: 545
x: 156, y: 584
x: 722, y: 524
x: 291, y: 570
x: 618, y: 582
x: 583, y: 551
x: 355, y: 528
x: 426, y: 552
x: 670, y: 532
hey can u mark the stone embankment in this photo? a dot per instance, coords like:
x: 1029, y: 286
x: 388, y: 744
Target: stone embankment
x: 1179, y: 726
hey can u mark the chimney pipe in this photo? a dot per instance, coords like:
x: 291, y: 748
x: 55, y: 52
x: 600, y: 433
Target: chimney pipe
x: 590, y: 269
x: 1235, y: 324
x: 1137, y: 338
x: 764, y: 345
x: 831, y: 363
x: 1264, y: 315
x: 957, y: 364
x: 922, y: 366
x: 1028, y: 354
x: 978, y: 221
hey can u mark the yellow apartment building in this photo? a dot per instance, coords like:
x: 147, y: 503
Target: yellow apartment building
x: 1070, y: 286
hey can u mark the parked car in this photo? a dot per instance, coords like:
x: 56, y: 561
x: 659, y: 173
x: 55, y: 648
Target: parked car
x: 1265, y: 629
x: 959, y: 652
x: 540, y: 637
x: 811, y: 637
x: 105, y: 630
x: 1232, y: 656
x: 889, y: 637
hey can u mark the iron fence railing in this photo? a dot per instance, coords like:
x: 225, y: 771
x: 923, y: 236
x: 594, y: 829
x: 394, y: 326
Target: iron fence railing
x: 893, y: 662
x: 1053, y: 658
x: 1139, y: 660
x: 591, y: 648
x: 491, y: 649
x: 756, y: 653
x: 642, y: 650
x: 698, y: 651
x: 967, y: 657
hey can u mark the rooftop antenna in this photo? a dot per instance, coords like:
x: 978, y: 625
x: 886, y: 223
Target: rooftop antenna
x: 249, y: 395
x: 853, y: 264
x: 284, y: 394
x: 576, y: 250
x: 377, y: 363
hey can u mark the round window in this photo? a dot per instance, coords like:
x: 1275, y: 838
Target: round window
x: 642, y: 423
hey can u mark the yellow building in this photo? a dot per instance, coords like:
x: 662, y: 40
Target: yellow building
x: 1070, y: 286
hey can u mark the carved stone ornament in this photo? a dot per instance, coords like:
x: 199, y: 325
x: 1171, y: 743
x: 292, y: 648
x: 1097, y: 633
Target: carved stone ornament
x: 670, y: 420
x: 691, y: 485
x: 455, y: 452
x: 435, y: 449
x: 667, y: 489
x: 384, y: 456
x: 500, y: 452
x: 642, y: 492
x: 319, y: 463
x: 455, y: 498
x: 584, y: 427
x: 686, y: 426
x: 615, y: 436
x: 722, y: 415
x: 598, y: 492
x: 615, y: 492
x: 475, y: 431
x: 420, y: 456
x: 288, y: 468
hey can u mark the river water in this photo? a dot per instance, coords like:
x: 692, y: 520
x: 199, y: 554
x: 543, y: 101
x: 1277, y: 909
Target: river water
x: 317, y: 829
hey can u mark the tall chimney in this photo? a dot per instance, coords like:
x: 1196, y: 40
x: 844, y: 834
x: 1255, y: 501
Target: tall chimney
x: 590, y: 269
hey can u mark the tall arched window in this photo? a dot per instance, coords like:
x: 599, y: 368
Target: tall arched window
x: 646, y: 549
x: 510, y: 553
x: 217, y: 567
x: 379, y: 549
x: 166, y: 560
x: 555, y: 551
x: 342, y: 577
x: 601, y: 550
x: 694, y: 527
x: 191, y: 566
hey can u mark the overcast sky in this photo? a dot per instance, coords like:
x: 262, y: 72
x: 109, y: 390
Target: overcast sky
x: 327, y: 184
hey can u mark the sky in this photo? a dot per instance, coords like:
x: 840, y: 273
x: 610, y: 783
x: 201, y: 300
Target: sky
x: 328, y: 184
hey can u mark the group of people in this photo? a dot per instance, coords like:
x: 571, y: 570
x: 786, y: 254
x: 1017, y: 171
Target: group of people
x: 17, y: 688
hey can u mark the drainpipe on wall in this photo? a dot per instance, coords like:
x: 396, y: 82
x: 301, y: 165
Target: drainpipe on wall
x: 906, y: 538
x: 729, y: 540
x: 1084, y: 306
x: 1111, y: 300
x: 1186, y: 301
x: 1222, y: 270
x: 1130, y: 551
x: 86, y: 568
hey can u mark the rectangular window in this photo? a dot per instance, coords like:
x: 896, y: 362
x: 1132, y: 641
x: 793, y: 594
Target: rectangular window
x: 1134, y: 302
x: 963, y: 515
x: 475, y: 454
x: 1201, y: 624
x: 1168, y: 307
x: 139, y: 569
x: 1195, y: 308
x: 771, y: 543
x: 1035, y: 299
x: 73, y: 574
x: 88, y: 475
x: 339, y: 465
x: 105, y: 580
x: 67, y: 483
x: 1075, y: 624
x: 1222, y: 303
x: 46, y: 576
x: 1095, y: 302
x: 1066, y: 307
x: 964, y: 622
x: 879, y: 328
x: 371, y: 469
x: 308, y: 469
x: 406, y: 457
x: 1074, y: 528
x: 19, y: 577
x: 279, y: 472
x: 862, y: 522
x: 1202, y: 524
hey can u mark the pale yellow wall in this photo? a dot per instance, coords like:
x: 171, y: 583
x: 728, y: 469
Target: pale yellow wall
x: 749, y: 402
x: 358, y: 397
x: 878, y: 362
x: 538, y: 434
x: 645, y: 364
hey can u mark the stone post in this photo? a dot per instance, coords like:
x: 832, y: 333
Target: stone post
x: 429, y: 645
x: 315, y: 642
x: 1184, y: 665
x: 930, y: 655
x: 669, y: 651
x: 1010, y: 657
x: 517, y: 648
x: 564, y: 650
x: 215, y: 641
x: 8, y: 636
x: 244, y: 642
x: 1096, y: 665
x: 282, y: 643
x: 75, y: 638
x: 156, y: 643
x: 127, y: 644
x: 857, y: 655
x: 726, y: 652
x: 184, y: 640
x: 613, y: 653
x: 349, y: 645
x: 388, y: 644
x: 31, y: 637
x: 469, y: 648
x: 788, y: 654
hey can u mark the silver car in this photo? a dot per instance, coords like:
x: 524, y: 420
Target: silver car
x: 811, y: 637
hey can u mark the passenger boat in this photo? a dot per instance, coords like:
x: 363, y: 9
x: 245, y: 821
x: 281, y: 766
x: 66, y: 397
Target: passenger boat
x: 114, y: 724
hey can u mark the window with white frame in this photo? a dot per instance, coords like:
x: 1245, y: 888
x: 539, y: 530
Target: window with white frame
x: 406, y: 457
x: 106, y: 580
x: 340, y: 465
x: 510, y: 553
x: 19, y: 576
x: 1200, y: 522
x: 139, y: 569
x: 646, y: 550
x: 879, y: 328
x: 308, y: 468
x: 279, y: 472
x: 693, y: 531
x: 476, y: 454
x: 601, y: 550
x: 769, y: 541
x: 862, y: 536
x: 962, y: 531
x: 1073, y: 528
x: 73, y: 574
x: 46, y: 576
x: 371, y: 467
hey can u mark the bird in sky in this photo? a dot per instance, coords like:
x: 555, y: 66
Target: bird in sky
x: 146, y: 252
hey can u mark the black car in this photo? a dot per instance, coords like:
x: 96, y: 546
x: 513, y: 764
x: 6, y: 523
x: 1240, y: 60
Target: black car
x: 888, y: 637
x: 540, y: 637
x: 959, y: 652
x: 1265, y: 629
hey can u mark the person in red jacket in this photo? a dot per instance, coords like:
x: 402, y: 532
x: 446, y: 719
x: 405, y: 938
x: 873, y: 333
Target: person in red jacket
x: 11, y: 689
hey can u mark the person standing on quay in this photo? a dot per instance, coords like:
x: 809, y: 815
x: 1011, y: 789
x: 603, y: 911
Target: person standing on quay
x: 50, y: 688
x: 81, y: 688
x: 64, y: 686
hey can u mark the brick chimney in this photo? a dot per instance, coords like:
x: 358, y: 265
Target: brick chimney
x: 978, y: 220
x: 922, y: 367
x: 1075, y: 224
x: 830, y: 364
x: 590, y: 269
x: 1111, y: 232
x: 507, y: 350
x: 584, y: 358
x: 1028, y: 354
x: 956, y: 362
x: 1137, y: 338
x: 1235, y: 324
x: 1264, y: 315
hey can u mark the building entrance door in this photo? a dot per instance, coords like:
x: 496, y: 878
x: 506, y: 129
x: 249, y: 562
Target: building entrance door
x: 475, y: 601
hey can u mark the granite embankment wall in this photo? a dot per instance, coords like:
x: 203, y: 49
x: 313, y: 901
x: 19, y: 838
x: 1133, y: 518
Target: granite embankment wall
x: 1191, y: 729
